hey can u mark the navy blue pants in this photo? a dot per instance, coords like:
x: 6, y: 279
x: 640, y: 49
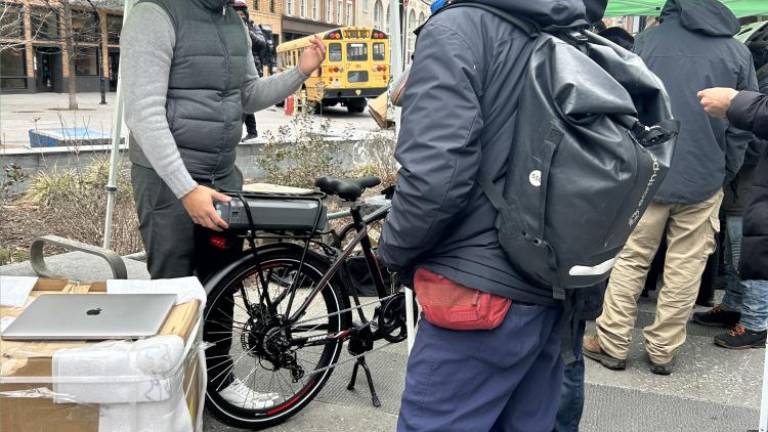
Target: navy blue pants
x: 507, y: 379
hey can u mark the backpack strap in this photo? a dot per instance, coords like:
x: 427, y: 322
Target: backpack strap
x: 762, y: 72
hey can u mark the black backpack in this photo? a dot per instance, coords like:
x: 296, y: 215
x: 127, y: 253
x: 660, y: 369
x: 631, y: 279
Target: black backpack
x: 594, y: 140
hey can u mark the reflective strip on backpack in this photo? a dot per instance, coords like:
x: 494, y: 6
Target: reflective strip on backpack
x: 602, y: 268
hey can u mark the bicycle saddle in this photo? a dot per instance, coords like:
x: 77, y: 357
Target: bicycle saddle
x: 349, y: 190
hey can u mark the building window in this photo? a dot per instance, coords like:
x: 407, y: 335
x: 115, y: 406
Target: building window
x: 256, y: 4
x: 11, y: 21
x: 315, y: 9
x: 348, y: 15
x: 386, y: 26
x: 272, y: 6
x: 13, y: 69
x: 328, y: 11
x: 365, y: 5
x: 422, y: 18
x: 411, y: 25
x: 303, y: 8
x: 114, y: 27
x: 45, y: 24
x: 339, y: 11
x: 86, y: 62
x: 85, y: 27
x: 289, y: 7
x: 378, y: 15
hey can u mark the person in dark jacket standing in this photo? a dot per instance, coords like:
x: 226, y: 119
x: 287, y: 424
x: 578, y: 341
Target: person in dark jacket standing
x: 500, y: 367
x: 268, y: 53
x: 727, y: 313
x: 692, y: 48
x: 748, y: 110
x: 188, y: 76
x: 258, y: 45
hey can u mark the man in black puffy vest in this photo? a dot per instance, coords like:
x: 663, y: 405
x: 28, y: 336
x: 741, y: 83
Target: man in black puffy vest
x: 188, y: 76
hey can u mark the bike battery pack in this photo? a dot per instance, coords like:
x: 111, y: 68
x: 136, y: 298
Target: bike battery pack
x: 270, y: 214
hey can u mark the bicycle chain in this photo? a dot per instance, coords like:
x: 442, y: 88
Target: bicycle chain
x: 354, y: 357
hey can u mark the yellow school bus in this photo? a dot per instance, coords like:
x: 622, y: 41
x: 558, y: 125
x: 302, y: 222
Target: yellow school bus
x: 356, y: 66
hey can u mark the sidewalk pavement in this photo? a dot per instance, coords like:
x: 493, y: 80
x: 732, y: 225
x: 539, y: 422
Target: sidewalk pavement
x: 711, y: 390
x: 21, y: 112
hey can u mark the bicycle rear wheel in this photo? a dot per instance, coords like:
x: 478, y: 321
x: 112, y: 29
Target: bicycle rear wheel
x: 273, y: 380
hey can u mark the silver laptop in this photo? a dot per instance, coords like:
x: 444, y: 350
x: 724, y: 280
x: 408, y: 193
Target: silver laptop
x: 91, y: 317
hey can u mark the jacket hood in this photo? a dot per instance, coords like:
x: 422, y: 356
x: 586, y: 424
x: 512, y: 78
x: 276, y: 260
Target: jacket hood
x: 709, y: 17
x: 561, y: 13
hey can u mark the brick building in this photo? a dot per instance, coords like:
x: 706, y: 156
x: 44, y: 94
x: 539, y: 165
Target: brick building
x: 32, y: 54
x: 268, y: 14
x: 305, y: 17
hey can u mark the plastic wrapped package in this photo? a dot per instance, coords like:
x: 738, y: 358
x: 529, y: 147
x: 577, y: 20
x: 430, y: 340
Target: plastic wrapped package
x: 154, y: 384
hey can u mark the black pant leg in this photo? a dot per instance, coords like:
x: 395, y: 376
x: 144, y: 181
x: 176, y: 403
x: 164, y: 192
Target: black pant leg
x: 250, y: 124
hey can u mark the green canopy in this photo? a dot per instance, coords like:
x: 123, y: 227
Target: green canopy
x: 740, y: 8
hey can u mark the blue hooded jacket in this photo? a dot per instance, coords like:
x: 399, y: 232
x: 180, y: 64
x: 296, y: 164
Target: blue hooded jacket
x: 459, y: 114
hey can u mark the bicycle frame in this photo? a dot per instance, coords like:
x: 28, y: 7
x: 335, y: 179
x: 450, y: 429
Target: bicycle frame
x: 359, y: 224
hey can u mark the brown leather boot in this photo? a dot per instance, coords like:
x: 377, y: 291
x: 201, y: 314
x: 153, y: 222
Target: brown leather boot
x: 593, y: 350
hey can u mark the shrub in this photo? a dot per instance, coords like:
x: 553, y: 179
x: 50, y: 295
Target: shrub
x: 309, y: 157
x: 73, y: 203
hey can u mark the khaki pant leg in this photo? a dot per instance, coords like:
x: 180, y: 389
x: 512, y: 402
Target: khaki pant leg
x: 614, y: 326
x: 690, y: 240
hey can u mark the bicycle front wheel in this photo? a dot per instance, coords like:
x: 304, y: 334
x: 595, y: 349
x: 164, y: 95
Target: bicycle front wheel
x: 257, y: 376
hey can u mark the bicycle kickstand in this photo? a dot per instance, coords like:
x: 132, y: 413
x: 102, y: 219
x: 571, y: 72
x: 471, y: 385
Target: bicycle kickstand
x: 361, y: 362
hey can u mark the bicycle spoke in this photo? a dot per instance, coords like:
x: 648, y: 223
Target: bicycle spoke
x: 220, y: 340
x: 225, y: 325
x: 216, y: 357
x: 230, y: 316
x: 240, y: 306
x: 245, y: 381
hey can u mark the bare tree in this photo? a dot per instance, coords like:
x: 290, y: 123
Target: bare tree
x: 80, y: 30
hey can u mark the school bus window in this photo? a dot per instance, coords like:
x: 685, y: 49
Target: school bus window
x: 334, y: 52
x: 378, y: 51
x: 357, y: 52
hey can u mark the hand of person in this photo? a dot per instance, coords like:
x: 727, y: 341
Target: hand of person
x: 312, y: 56
x: 717, y: 100
x: 199, y: 205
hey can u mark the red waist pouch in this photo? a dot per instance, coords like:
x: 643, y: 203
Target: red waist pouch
x: 449, y: 305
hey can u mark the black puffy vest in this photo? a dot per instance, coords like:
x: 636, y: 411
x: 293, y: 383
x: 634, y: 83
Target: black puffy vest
x: 203, y: 106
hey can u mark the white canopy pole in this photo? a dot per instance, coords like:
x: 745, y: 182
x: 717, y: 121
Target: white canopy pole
x: 395, y: 41
x: 117, y: 129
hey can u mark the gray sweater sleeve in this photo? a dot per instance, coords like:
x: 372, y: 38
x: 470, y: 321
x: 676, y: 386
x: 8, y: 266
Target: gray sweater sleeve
x: 258, y: 93
x: 146, y: 51
x: 147, y: 44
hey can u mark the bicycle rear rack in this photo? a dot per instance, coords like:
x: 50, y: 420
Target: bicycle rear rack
x: 37, y: 256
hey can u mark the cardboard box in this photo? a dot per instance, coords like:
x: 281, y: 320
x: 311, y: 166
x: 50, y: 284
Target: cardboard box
x: 32, y: 362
